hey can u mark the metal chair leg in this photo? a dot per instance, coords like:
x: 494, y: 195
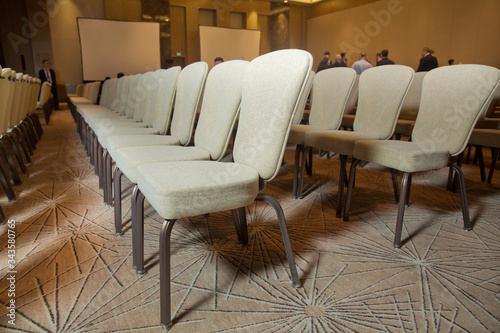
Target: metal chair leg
x: 401, y: 208
x: 137, y: 202
x: 118, y: 202
x: 17, y: 153
x: 342, y: 177
x: 303, y: 167
x: 494, y: 158
x: 107, y: 178
x: 284, y: 233
x: 165, y: 291
x: 7, y: 186
x: 10, y: 163
x: 240, y: 223
x: 350, y: 187
x: 463, y: 196
x: 298, y: 150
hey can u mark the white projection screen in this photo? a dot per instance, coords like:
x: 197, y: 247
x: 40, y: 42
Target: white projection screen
x: 109, y: 47
x: 228, y: 43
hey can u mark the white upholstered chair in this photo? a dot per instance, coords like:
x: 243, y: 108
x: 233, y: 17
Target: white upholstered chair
x: 453, y: 99
x: 271, y: 88
x: 187, y: 87
x: 221, y: 102
x: 381, y: 94
x: 330, y: 91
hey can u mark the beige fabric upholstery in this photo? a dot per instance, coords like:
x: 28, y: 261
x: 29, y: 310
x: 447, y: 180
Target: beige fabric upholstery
x: 485, y: 137
x: 180, y: 189
x: 220, y: 108
x: 189, y: 89
x: 6, y: 90
x: 350, y: 107
x: 330, y: 92
x: 411, y: 104
x: 260, y: 141
x: 191, y: 80
x: 44, y: 94
x: 449, y: 125
x: 381, y: 93
x: 299, y: 114
x: 452, y: 100
x: 270, y: 95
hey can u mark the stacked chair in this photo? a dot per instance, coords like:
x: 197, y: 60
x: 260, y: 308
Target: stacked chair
x: 20, y: 128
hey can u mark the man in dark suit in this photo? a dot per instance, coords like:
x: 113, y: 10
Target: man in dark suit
x: 47, y: 74
x: 384, y: 60
x: 428, y: 61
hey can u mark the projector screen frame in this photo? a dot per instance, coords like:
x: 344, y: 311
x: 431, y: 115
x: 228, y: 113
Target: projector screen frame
x: 124, y: 69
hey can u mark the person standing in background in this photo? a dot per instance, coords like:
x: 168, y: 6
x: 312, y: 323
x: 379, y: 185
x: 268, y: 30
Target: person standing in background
x: 385, y: 60
x: 325, y: 63
x: 48, y: 74
x: 361, y: 65
x: 428, y: 61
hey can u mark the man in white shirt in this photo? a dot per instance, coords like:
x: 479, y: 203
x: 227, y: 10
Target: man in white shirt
x: 361, y: 65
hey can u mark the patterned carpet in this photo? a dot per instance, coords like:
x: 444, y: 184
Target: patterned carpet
x: 74, y: 275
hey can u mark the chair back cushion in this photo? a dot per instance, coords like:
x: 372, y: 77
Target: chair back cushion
x: 453, y: 98
x: 382, y: 91
x: 6, y: 86
x: 301, y: 105
x: 189, y: 88
x: 352, y: 100
x: 411, y: 104
x: 330, y: 92
x: 164, y: 99
x: 219, y: 110
x: 271, y: 89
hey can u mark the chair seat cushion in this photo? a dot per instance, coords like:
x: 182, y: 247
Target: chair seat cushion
x: 80, y: 100
x: 401, y: 155
x: 121, y: 141
x: 103, y: 133
x: 341, y: 142
x: 298, y: 132
x: 129, y: 158
x: 485, y: 137
x: 183, y: 189
x: 110, y: 123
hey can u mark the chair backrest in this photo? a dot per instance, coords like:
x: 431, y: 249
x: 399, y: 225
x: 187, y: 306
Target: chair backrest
x: 189, y: 88
x: 6, y: 86
x: 453, y: 98
x: 301, y: 105
x: 493, y: 105
x: 330, y: 92
x: 16, y: 100
x: 131, y: 95
x: 219, y: 110
x: 382, y: 90
x: 105, y: 91
x: 350, y: 105
x: 119, y: 103
x: 411, y: 104
x: 164, y: 99
x: 79, y: 89
x: 141, y: 96
x: 45, y: 93
x: 271, y: 89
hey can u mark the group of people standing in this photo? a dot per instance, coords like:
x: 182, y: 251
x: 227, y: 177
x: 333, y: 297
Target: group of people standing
x: 427, y: 62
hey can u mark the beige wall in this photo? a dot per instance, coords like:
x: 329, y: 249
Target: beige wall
x: 125, y: 10
x: 252, y: 9
x: 64, y: 37
x: 467, y: 31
